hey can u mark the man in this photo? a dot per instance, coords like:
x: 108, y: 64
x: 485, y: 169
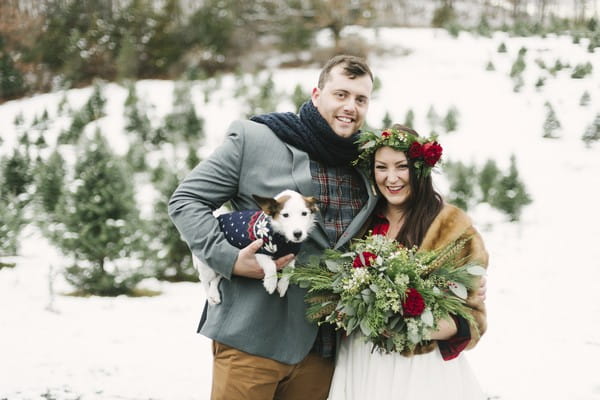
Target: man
x: 263, y: 346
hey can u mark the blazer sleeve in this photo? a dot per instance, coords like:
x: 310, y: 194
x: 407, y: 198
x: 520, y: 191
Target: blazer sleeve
x: 207, y: 187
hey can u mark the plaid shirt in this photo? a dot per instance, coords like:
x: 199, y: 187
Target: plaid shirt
x: 341, y: 195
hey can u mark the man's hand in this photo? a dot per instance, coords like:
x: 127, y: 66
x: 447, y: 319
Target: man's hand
x: 247, y: 266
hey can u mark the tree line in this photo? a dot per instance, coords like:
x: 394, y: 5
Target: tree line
x: 53, y: 44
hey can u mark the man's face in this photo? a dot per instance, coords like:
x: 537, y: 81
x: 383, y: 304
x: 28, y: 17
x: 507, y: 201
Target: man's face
x: 343, y: 102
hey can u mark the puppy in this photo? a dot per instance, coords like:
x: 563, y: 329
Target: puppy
x: 283, y: 223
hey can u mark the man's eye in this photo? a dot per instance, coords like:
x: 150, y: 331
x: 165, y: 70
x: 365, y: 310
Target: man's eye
x: 304, y: 213
x: 285, y: 215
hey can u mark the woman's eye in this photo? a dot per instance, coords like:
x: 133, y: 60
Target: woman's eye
x: 304, y: 213
x: 285, y: 215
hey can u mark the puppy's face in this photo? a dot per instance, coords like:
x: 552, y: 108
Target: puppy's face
x: 292, y: 214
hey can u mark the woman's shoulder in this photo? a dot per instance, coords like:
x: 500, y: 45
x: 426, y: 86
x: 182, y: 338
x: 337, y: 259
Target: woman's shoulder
x: 450, y: 224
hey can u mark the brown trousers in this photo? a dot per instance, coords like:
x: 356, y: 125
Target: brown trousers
x: 242, y: 376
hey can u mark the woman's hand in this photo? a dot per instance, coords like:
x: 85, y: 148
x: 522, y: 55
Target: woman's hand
x: 446, y: 329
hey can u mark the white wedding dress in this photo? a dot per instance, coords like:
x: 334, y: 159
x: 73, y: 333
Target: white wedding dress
x: 361, y: 374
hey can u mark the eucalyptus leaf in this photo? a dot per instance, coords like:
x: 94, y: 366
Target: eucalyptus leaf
x: 352, y: 323
x: 364, y: 327
x: 374, y: 288
x: 368, y: 145
x: 348, y: 310
x: 476, y: 270
x: 394, y: 321
x: 458, y: 289
x: 332, y: 265
x: 427, y: 317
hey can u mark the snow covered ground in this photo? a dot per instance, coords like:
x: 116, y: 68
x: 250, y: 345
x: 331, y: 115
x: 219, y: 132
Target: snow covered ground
x: 543, y: 340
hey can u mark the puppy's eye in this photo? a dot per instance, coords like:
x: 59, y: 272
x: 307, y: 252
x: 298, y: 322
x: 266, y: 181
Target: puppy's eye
x: 285, y: 215
x: 304, y: 213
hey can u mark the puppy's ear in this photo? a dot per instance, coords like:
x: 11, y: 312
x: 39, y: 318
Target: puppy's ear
x: 311, y: 203
x: 269, y: 205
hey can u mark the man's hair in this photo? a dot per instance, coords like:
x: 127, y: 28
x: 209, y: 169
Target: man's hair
x: 353, y: 67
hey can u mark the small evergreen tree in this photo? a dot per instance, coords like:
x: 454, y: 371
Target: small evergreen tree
x: 582, y: 70
x: 409, y: 118
x: 192, y: 159
x: 490, y: 66
x: 551, y: 123
x: 585, y: 99
x: 299, y: 96
x: 17, y: 175
x: 12, y: 221
x: 136, y: 117
x: 50, y: 180
x: 518, y: 66
x: 592, y: 133
x: 462, y: 182
x: 266, y: 99
x: 91, y: 111
x: 98, y: 222
x: 502, y: 48
x: 387, y: 120
x: 488, y: 180
x: 511, y: 195
x: 540, y: 82
x: 433, y: 118
x: 450, y: 121
x: 168, y: 255
x: 183, y: 124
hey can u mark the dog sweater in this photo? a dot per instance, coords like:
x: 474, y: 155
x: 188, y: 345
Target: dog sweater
x: 243, y: 227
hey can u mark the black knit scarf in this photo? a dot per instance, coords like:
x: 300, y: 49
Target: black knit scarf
x: 309, y: 132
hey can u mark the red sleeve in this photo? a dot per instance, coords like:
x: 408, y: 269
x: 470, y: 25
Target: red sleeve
x: 452, y: 347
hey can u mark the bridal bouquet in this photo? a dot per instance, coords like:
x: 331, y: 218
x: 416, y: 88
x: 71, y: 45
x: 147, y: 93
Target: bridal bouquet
x: 393, y: 295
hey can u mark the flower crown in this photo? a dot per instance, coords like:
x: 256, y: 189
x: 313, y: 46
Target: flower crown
x: 423, y: 152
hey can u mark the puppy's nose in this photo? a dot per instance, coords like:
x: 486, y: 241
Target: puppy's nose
x: 297, y: 234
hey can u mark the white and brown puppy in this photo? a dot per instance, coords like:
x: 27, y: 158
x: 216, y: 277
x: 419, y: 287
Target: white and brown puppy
x: 283, y: 223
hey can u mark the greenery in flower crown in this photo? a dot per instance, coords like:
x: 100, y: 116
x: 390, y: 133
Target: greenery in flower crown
x: 395, y: 296
x: 424, y: 152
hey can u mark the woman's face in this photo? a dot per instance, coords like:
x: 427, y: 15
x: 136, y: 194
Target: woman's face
x: 392, y: 175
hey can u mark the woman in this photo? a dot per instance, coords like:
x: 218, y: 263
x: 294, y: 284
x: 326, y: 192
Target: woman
x: 414, y: 214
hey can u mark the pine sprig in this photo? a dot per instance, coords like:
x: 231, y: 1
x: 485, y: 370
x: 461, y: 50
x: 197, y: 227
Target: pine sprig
x: 447, y: 254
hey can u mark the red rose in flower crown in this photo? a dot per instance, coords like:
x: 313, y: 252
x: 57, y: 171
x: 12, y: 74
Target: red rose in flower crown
x: 385, y: 134
x: 432, y: 152
x: 415, y: 151
x: 414, y: 304
x: 367, y: 257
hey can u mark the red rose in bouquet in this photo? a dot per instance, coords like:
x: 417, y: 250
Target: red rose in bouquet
x: 385, y: 134
x: 432, y: 152
x: 366, y: 260
x: 415, y: 151
x: 414, y: 304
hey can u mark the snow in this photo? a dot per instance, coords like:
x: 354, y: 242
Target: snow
x: 543, y: 340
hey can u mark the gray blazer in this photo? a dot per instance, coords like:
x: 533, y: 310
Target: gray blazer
x: 252, y: 160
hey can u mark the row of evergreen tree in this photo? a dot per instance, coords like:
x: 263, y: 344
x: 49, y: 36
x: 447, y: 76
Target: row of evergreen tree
x: 89, y: 209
